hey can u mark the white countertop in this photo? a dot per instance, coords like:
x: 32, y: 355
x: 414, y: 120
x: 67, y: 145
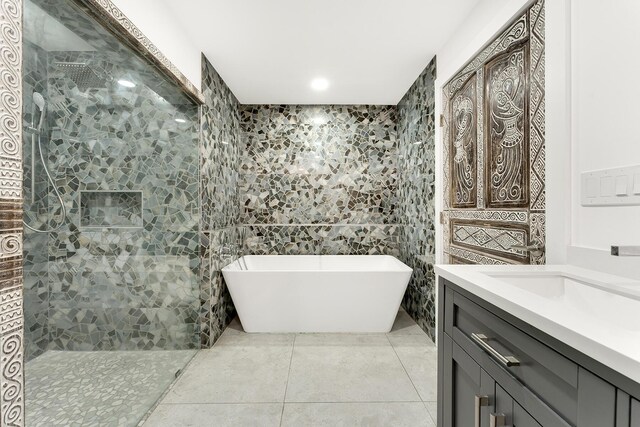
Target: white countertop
x: 596, y: 313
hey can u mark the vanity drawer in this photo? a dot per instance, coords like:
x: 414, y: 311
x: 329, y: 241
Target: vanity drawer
x: 549, y: 380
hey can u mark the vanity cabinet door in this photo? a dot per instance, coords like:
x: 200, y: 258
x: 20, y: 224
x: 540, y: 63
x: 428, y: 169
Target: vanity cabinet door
x: 503, y: 407
x: 596, y: 401
x: 522, y: 418
x: 468, y: 390
x: 513, y: 414
x: 635, y: 413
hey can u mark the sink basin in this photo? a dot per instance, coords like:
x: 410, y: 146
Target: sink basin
x: 545, y: 285
x: 599, y: 300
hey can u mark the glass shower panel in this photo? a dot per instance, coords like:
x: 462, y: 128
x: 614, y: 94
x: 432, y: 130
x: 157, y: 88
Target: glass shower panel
x: 111, y: 203
x: 111, y: 124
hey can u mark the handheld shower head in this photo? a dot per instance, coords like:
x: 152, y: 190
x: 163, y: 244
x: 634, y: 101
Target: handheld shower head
x: 39, y: 102
x: 38, y: 99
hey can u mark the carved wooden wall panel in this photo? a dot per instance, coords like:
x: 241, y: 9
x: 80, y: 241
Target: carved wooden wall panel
x: 492, y: 238
x: 506, y: 137
x: 464, y: 164
x: 490, y: 218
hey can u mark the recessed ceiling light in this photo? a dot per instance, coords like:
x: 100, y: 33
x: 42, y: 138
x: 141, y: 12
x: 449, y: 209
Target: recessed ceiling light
x: 126, y: 83
x: 181, y: 120
x: 319, y: 83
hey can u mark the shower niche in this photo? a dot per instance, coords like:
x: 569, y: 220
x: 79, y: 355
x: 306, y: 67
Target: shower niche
x: 111, y: 209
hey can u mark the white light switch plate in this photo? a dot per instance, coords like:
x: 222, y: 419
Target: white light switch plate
x: 611, y: 187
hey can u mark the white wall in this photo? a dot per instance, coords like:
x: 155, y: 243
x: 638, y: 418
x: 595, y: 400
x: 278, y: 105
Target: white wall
x: 154, y: 19
x: 606, y: 115
x: 487, y: 20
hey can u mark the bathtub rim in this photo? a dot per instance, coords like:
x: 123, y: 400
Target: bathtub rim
x: 236, y: 266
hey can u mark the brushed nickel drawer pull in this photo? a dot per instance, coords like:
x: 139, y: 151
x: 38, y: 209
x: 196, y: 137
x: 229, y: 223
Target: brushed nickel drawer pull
x: 481, y: 340
x: 479, y: 401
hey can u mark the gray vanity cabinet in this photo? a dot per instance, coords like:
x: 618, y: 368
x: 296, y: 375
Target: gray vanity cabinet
x: 468, y: 394
x: 627, y: 410
x: 635, y: 413
x: 495, y: 370
x: 473, y: 397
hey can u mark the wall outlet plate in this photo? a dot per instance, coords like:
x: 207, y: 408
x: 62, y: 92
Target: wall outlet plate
x: 611, y: 187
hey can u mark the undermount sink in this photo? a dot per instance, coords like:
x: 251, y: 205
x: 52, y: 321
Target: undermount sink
x: 555, y: 284
x: 544, y: 284
x: 620, y: 301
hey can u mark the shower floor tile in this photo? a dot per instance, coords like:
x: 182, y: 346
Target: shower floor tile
x: 307, y: 380
x: 67, y: 388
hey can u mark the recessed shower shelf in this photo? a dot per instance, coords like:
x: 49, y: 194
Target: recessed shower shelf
x: 111, y: 209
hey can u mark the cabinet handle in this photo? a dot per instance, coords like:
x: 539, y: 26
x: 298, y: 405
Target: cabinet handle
x: 479, y: 402
x: 507, y: 361
x: 497, y: 420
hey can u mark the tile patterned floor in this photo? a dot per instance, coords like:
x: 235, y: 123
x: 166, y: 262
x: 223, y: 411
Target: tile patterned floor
x: 307, y: 380
x: 105, y: 388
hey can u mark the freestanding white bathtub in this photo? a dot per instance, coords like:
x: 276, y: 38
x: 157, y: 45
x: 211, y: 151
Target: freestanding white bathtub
x: 317, y: 293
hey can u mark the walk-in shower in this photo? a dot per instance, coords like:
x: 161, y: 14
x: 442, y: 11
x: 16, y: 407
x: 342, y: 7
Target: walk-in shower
x: 111, y: 223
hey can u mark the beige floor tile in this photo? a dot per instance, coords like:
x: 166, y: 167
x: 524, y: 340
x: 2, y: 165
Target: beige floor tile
x: 399, y: 414
x: 254, y: 372
x: 348, y: 374
x: 218, y: 415
x: 341, y: 340
x: 432, y: 407
x: 404, y: 325
x: 421, y: 365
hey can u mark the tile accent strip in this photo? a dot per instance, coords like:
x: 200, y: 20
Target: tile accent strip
x: 11, y: 315
x: 115, y: 21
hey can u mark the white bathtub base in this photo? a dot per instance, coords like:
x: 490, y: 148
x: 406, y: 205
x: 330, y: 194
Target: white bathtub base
x: 317, y: 293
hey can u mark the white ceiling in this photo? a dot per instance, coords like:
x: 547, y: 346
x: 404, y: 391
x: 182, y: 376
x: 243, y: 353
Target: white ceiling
x: 371, y: 51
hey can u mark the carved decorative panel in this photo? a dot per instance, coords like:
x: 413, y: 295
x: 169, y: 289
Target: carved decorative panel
x: 506, y: 130
x: 11, y: 315
x: 474, y: 257
x: 519, y: 217
x: 536, y: 108
x: 464, y: 164
x: 506, y: 213
x: 461, y: 261
x: 494, y: 238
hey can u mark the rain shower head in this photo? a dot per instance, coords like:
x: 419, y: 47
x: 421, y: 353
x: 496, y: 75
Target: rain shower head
x: 82, y: 75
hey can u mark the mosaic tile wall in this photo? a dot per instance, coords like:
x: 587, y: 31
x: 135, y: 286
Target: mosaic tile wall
x: 118, y: 287
x: 416, y: 196
x: 221, y: 238
x: 129, y: 280
x: 319, y: 179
